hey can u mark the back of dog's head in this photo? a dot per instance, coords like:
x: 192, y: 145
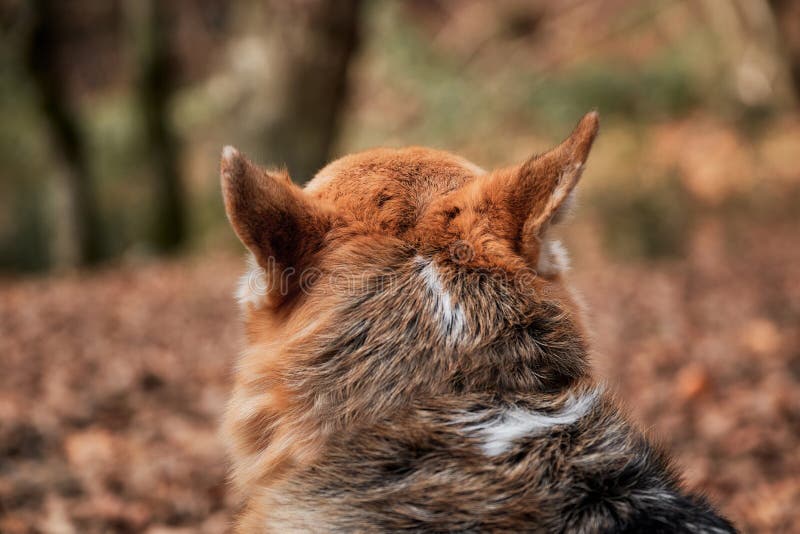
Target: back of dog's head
x: 403, y: 273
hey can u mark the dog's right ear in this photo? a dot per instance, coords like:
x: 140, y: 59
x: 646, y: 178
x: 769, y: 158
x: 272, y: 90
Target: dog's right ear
x: 281, y: 225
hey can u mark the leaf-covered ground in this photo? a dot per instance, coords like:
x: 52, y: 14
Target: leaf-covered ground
x: 112, y: 383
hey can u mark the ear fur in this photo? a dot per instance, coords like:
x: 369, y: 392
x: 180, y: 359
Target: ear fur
x: 272, y: 217
x: 539, y: 191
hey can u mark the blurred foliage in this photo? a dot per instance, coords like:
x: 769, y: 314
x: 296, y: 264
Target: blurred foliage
x: 660, y: 89
x: 23, y: 220
x: 649, y: 222
x: 495, y: 83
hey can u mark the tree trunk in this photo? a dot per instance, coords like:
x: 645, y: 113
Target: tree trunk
x: 787, y: 16
x: 154, y: 90
x: 77, y: 225
x: 315, y: 42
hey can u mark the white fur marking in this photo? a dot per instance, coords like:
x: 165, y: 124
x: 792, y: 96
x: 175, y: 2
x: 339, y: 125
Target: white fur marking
x: 252, y: 288
x: 498, y: 434
x: 451, y: 315
x: 318, y: 182
x: 229, y: 153
x: 553, y: 258
x: 248, y: 406
x: 559, y: 254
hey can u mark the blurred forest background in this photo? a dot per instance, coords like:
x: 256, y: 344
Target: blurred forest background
x: 117, y: 324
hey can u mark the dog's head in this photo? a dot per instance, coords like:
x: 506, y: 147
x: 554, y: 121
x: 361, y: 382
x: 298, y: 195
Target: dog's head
x: 409, y: 255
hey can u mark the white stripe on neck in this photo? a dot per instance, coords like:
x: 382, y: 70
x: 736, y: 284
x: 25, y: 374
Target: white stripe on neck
x: 500, y: 433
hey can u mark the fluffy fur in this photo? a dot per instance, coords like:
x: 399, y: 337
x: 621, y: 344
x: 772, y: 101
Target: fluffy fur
x: 417, y: 362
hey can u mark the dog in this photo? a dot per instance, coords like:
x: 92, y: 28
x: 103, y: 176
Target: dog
x: 415, y: 360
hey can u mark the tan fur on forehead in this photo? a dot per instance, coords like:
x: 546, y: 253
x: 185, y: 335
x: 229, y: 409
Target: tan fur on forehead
x: 432, y: 198
x: 389, y: 189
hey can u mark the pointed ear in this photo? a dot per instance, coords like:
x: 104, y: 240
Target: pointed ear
x: 536, y: 192
x: 272, y: 217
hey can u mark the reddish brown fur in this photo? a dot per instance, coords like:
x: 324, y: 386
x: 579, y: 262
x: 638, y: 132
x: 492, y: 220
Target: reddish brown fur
x: 340, y: 378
